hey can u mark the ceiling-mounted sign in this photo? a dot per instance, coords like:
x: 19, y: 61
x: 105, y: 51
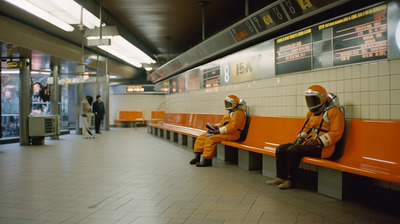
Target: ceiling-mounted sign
x: 243, y: 31
x: 269, y: 18
x: 296, y: 8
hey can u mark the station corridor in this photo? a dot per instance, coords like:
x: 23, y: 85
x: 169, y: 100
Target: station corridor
x: 130, y: 176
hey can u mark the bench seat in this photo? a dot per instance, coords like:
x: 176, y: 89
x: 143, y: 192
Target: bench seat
x: 183, y: 128
x: 130, y: 118
x: 364, y: 154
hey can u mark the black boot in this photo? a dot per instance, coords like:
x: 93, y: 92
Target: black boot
x: 196, y: 158
x: 204, y: 163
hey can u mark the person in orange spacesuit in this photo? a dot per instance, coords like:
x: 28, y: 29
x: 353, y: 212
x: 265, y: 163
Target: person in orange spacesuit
x: 228, y: 129
x: 324, y: 126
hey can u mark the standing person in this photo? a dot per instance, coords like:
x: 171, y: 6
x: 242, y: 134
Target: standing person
x: 99, y: 111
x: 324, y: 126
x: 228, y: 129
x: 85, y: 111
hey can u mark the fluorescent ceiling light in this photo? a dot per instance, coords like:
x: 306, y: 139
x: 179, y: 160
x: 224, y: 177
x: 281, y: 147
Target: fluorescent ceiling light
x: 61, y: 14
x: 120, y: 47
x: 9, y: 72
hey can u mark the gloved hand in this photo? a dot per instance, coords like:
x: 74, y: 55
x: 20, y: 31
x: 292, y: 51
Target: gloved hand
x: 214, y: 132
x: 298, y: 140
x: 311, y: 142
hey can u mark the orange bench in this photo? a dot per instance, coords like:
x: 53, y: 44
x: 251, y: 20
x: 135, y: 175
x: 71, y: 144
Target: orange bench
x: 183, y: 127
x: 274, y: 130
x: 128, y: 118
x: 157, y: 116
x: 371, y: 151
x: 364, y: 153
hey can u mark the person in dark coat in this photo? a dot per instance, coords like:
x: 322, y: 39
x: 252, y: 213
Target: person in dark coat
x: 99, y: 112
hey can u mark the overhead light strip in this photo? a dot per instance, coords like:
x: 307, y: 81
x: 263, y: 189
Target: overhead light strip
x: 119, y: 46
x: 61, y: 15
x: 69, y: 12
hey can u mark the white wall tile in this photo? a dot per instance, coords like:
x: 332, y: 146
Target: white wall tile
x: 373, y: 69
x: 374, y: 112
x: 364, y: 98
x: 384, y: 112
x: 355, y: 71
x: 356, y: 87
x: 384, y: 97
x: 374, y: 83
x: 395, y: 67
x: 384, y: 82
x: 374, y: 97
x: 340, y: 86
x: 395, y: 82
x: 340, y: 73
x: 356, y: 112
x: 347, y: 72
x: 395, y: 97
x: 348, y: 85
x: 395, y: 112
x: 384, y: 68
x: 356, y: 98
x: 364, y: 112
x: 364, y: 84
x: 364, y: 70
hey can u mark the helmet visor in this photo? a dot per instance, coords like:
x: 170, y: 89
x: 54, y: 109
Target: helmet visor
x: 228, y: 105
x: 313, y: 102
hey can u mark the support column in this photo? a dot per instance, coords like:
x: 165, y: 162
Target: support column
x: 55, y: 100
x: 106, y: 93
x: 78, y: 98
x: 25, y: 101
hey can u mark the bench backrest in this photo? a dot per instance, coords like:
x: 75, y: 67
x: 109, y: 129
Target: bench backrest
x: 130, y: 115
x: 276, y: 130
x: 176, y: 118
x: 372, y: 144
x: 157, y: 115
x: 197, y: 121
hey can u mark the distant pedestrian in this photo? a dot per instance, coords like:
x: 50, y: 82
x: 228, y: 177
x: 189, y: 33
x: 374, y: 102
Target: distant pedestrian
x: 99, y: 112
x: 86, y: 109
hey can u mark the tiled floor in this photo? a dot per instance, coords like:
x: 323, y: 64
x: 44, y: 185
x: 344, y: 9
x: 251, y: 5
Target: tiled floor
x: 131, y: 176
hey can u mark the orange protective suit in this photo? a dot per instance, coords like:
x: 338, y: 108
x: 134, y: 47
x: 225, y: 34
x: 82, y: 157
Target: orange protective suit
x: 230, y: 128
x: 330, y: 132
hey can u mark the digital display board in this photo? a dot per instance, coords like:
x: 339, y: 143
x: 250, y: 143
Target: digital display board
x: 296, y: 8
x: 361, y: 36
x: 243, y: 30
x: 211, y: 77
x: 358, y: 37
x: 269, y: 18
x: 293, y: 52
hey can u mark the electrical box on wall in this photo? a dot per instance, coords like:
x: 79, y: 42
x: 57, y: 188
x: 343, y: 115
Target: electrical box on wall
x: 41, y: 126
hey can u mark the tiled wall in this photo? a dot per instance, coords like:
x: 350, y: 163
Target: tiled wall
x: 367, y: 91
x: 143, y: 102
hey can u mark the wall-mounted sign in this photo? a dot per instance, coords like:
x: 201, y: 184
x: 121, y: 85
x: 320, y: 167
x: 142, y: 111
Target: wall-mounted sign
x: 14, y: 64
x: 131, y: 89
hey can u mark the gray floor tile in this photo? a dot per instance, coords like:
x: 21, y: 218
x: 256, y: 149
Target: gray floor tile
x: 130, y: 176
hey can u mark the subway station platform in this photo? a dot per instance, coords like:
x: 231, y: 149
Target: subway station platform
x: 130, y: 176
